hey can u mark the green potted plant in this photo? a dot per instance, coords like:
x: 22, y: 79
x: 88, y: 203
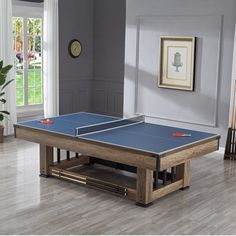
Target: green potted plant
x: 4, y: 82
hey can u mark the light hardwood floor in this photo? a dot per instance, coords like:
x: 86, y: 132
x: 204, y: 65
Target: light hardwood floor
x: 33, y: 205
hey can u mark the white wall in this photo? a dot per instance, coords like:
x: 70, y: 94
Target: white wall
x: 212, y: 22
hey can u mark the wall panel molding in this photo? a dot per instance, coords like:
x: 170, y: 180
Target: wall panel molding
x: 108, y: 97
x: 69, y: 78
x: 66, y: 104
x: 75, y: 96
x: 143, y: 19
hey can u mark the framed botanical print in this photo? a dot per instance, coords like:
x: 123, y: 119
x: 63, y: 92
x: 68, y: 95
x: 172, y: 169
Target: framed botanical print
x: 177, y: 58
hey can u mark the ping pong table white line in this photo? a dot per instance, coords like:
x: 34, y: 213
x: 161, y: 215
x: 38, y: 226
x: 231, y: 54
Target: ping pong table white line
x: 52, y: 117
x: 91, y: 113
x: 104, y: 130
x: 45, y: 130
x: 100, y: 114
x: 49, y: 117
x: 94, y: 114
x: 149, y: 151
x: 189, y: 144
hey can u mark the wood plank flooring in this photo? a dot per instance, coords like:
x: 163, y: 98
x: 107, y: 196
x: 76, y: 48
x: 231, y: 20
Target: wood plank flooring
x: 33, y: 205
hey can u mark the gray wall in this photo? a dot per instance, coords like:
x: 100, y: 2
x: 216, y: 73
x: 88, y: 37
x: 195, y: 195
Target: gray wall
x: 212, y: 22
x: 76, y: 75
x: 94, y: 81
x: 109, y: 47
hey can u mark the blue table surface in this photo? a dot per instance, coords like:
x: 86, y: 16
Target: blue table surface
x: 147, y: 137
x: 67, y: 124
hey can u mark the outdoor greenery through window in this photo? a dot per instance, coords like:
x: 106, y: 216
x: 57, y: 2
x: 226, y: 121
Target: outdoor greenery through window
x: 28, y: 60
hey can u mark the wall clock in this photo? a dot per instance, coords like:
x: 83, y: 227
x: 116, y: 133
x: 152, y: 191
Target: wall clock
x: 75, y: 48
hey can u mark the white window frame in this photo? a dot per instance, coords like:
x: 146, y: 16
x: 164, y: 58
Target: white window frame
x: 28, y: 11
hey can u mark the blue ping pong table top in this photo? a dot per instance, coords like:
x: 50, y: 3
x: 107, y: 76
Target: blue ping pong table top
x: 67, y: 124
x: 152, y: 138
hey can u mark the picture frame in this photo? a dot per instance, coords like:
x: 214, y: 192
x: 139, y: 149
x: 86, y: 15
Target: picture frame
x: 177, y: 62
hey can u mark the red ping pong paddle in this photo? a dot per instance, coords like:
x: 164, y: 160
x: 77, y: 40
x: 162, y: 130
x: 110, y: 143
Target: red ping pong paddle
x: 181, y: 135
x: 46, y: 122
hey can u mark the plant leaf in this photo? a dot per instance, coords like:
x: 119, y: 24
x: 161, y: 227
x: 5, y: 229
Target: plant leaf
x: 5, y: 112
x: 3, y: 101
x: 1, y: 64
x: 2, y: 94
x: 2, y: 82
x: 6, y: 69
x: 2, y: 76
x: 1, y: 117
x: 5, y: 85
x: 2, y: 79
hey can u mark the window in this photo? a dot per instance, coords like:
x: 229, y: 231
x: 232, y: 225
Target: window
x: 27, y: 35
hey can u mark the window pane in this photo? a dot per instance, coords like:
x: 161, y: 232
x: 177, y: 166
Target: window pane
x: 38, y: 63
x: 31, y: 60
x: 34, y: 26
x: 38, y: 78
x: 19, y: 44
x: 30, y: 26
x: 38, y: 52
x: 38, y: 44
x: 20, y: 97
x: 31, y: 78
x: 31, y: 96
x: 31, y: 43
x: 17, y: 25
x: 38, y: 96
x: 19, y: 79
x: 19, y: 61
x: 37, y: 26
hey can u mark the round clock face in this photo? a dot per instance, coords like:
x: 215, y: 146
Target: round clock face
x: 75, y: 48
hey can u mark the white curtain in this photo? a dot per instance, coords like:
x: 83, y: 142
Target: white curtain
x: 51, y: 55
x: 6, y: 54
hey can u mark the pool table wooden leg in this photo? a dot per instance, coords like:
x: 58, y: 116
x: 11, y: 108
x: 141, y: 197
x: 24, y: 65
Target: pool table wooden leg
x: 144, y: 187
x: 183, y: 172
x: 46, y: 160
